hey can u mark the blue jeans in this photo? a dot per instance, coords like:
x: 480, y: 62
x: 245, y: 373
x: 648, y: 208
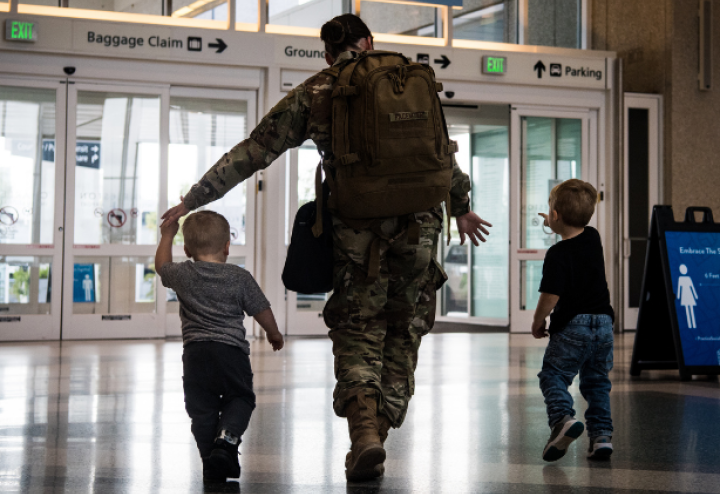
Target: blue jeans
x: 585, y: 346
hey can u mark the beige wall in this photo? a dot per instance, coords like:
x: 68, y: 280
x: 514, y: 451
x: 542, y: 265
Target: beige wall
x: 658, y: 42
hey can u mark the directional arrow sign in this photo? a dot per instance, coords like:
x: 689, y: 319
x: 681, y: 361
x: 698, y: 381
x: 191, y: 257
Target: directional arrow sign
x: 443, y: 61
x: 540, y: 68
x: 220, y: 45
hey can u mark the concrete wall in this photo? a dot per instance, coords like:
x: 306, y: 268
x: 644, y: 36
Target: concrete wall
x: 658, y: 42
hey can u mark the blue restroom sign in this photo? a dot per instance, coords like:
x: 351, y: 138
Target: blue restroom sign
x: 84, y: 283
x: 694, y: 262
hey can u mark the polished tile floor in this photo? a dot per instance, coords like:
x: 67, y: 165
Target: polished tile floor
x: 108, y: 417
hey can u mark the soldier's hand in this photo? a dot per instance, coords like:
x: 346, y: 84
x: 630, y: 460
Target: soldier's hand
x: 175, y: 213
x: 473, y: 226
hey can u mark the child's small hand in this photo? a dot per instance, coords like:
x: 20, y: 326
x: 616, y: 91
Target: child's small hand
x: 276, y: 340
x: 545, y: 219
x: 169, y: 228
x: 538, y: 330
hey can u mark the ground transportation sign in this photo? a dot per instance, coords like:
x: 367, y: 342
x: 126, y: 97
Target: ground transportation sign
x: 679, y: 319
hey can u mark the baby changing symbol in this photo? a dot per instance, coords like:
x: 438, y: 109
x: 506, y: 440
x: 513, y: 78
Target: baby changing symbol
x: 688, y: 296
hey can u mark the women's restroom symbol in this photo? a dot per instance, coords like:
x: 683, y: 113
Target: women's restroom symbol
x: 688, y: 296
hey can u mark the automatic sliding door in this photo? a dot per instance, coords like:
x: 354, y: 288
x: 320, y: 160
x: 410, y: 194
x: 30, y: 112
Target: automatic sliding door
x: 113, y: 180
x: 31, y: 197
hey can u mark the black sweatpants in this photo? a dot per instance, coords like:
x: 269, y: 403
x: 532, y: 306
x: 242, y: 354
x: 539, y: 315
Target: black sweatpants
x: 217, y: 380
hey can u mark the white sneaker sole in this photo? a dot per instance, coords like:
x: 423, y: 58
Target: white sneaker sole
x: 557, y: 448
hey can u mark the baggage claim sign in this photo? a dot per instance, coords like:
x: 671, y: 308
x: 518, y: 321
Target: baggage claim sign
x: 117, y: 39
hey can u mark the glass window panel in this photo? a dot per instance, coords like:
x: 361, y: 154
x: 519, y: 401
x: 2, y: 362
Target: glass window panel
x: 154, y: 7
x: 114, y: 285
x: 201, y: 131
x: 395, y: 18
x: 45, y: 3
x: 27, y: 165
x: 554, y: 23
x: 117, y: 168
x: 246, y: 11
x: 491, y: 200
x: 308, y: 159
x: 530, y: 277
x: 217, y: 10
x: 303, y: 13
x: 25, y: 285
x: 485, y: 20
x: 552, y: 153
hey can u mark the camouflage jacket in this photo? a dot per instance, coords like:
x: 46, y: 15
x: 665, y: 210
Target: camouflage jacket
x: 305, y: 113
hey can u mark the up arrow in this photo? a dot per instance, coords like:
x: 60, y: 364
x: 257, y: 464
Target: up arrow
x: 220, y: 45
x: 540, y: 68
x: 445, y: 61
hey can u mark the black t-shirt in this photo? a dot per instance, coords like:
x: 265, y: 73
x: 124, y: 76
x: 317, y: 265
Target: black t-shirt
x: 574, y: 270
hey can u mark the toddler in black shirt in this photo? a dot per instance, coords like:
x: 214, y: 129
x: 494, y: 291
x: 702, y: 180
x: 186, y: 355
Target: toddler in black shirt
x: 574, y: 288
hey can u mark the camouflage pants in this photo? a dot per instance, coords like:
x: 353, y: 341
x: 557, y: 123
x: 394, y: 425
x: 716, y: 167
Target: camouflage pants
x: 376, y: 327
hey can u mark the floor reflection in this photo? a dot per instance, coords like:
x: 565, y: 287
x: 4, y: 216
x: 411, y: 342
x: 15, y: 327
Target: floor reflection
x: 103, y: 417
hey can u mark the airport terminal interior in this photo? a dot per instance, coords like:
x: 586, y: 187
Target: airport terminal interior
x: 111, y: 110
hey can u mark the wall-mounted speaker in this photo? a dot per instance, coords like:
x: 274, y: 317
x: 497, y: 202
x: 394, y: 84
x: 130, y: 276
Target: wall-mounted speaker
x: 706, y: 38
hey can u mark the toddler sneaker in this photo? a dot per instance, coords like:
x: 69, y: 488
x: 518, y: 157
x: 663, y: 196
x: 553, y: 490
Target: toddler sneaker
x: 561, y: 436
x: 600, y: 448
x: 223, y: 460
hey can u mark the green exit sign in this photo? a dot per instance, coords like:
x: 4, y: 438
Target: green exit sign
x: 20, y: 31
x: 494, y: 65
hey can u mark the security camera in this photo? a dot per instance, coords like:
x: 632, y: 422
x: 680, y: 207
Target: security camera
x: 449, y: 94
x: 69, y: 70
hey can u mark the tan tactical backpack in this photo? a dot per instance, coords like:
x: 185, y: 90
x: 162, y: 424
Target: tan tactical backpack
x: 392, y: 154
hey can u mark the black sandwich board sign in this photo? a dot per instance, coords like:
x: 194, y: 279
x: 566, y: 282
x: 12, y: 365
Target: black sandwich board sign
x: 679, y: 318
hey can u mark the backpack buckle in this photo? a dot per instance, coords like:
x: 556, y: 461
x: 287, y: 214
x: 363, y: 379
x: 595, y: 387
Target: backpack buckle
x: 452, y: 147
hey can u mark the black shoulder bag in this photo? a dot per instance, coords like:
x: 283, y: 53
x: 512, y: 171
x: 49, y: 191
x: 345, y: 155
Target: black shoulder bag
x: 309, y: 263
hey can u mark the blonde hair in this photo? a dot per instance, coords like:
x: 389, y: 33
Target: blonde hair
x: 206, y: 233
x: 575, y: 201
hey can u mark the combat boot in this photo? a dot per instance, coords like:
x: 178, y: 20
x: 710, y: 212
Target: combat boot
x: 383, y: 429
x: 366, y: 451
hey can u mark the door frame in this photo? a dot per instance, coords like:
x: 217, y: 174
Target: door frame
x: 654, y: 104
x: 33, y: 327
x: 520, y: 320
x: 94, y: 326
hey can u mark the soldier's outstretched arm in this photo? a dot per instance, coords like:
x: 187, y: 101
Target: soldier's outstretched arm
x: 468, y: 223
x: 282, y: 128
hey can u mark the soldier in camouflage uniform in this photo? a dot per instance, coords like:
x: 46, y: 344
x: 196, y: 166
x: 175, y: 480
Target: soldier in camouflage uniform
x: 376, y: 327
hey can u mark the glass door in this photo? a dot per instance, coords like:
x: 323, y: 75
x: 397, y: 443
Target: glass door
x: 641, y: 191
x: 32, y: 152
x: 204, y: 125
x: 547, y: 147
x: 477, y: 288
x: 113, y: 199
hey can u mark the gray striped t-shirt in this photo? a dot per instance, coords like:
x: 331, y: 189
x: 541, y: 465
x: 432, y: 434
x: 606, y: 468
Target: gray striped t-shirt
x: 214, y: 298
